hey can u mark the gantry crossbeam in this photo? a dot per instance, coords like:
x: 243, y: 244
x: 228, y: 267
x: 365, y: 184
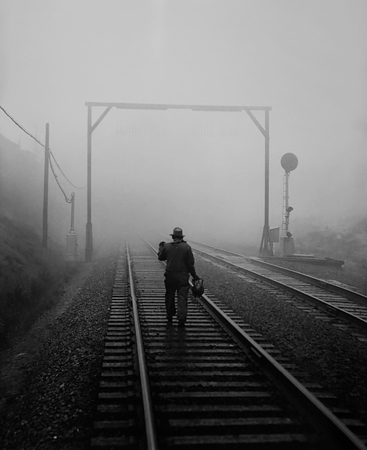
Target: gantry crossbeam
x: 266, y: 246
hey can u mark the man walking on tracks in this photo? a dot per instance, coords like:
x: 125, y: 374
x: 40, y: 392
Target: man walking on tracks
x: 180, y: 264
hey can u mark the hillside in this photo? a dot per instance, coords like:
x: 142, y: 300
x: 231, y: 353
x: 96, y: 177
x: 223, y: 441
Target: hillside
x: 31, y: 278
x: 21, y: 191
x: 29, y: 274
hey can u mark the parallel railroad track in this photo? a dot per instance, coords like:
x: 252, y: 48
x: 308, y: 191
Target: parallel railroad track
x: 207, y: 385
x: 337, y: 301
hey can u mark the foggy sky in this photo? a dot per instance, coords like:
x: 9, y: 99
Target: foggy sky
x: 201, y: 171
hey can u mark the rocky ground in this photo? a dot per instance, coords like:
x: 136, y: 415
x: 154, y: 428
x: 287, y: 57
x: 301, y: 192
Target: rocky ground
x: 335, y: 358
x: 49, y: 379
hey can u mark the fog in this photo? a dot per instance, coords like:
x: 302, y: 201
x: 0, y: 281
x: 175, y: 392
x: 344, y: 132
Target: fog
x: 202, y: 171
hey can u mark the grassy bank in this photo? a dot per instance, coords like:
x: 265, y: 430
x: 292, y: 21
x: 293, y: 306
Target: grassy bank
x: 31, y: 278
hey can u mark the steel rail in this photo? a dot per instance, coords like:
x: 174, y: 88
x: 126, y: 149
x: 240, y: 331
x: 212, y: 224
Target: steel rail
x: 352, y: 318
x: 316, y: 412
x: 314, y: 280
x: 301, y: 276
x: 143, y: 371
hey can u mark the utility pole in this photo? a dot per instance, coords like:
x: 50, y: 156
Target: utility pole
x: 45, y: 190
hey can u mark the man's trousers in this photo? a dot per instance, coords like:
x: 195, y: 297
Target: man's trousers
x: 177, y: 282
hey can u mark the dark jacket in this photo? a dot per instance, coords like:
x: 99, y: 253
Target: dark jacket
x: 179, y: 257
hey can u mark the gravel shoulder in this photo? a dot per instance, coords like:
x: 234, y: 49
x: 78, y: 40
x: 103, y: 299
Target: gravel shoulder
x: 48, y: 379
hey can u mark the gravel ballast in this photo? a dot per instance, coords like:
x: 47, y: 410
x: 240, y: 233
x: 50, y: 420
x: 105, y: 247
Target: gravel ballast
x: 49, y: 380
x: 335, y: 358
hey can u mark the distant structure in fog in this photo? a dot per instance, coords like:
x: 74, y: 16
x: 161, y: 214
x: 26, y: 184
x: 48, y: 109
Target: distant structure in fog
x: 265, y: 247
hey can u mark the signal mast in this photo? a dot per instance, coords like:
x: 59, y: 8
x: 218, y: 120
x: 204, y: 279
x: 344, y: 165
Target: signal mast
x: 289, y: 162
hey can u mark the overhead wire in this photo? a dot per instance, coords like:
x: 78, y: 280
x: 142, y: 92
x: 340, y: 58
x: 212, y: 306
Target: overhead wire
x: 67, y: 199
x: 66, y: 178
x: 50, y: 153
x: 25, y: 131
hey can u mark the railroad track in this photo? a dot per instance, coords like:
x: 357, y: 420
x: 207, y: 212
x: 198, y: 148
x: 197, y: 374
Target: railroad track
x: 337, y: 301
x: 207, y: 385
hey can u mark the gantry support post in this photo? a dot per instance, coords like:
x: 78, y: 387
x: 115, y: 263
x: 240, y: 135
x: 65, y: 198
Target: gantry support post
x: 267, y: 249
x: 88, y: 233
x: 266, y: 245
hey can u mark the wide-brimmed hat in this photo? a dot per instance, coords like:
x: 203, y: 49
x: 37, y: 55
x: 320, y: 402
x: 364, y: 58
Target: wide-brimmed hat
x: 177, y: 232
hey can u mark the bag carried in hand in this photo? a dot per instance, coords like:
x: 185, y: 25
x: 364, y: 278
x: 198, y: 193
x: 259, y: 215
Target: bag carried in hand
x: 198, y: 287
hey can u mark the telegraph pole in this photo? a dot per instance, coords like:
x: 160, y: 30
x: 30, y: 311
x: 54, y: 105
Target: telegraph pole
x: 45, y: 189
